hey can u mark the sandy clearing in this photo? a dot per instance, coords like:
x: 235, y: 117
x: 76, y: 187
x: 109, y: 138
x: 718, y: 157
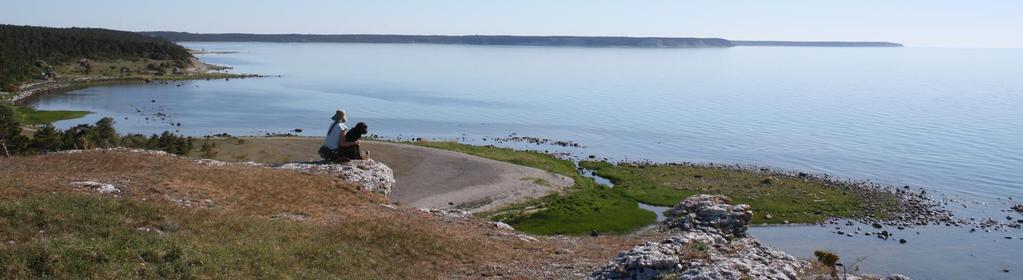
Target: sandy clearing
x: 435, y: 178
x: 426, y: 177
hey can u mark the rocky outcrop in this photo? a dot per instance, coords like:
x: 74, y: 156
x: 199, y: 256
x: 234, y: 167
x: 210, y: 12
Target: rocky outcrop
x: 97, y: 187
x: 369, y: 174
x: 711, y: 214
x: 448, y: 213
x: 709, y: 241
x: 702, y: 255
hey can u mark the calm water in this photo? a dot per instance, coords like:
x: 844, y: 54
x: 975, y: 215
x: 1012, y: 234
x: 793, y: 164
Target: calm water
x: 949, y: 120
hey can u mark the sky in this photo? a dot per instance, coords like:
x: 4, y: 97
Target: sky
x: 922, y: 23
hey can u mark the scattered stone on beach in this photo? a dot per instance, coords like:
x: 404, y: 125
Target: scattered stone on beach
x: 1018, y: 208
x: 536, y: 141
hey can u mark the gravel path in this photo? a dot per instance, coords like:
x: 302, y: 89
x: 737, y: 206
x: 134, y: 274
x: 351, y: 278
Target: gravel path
x: 427, y: 177
x: 434, y: 178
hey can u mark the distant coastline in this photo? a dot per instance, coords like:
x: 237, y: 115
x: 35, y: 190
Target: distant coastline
x: 499, y: 40
x: 813, y: 44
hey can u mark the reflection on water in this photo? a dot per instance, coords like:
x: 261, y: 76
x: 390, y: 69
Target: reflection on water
x: 931, y: 252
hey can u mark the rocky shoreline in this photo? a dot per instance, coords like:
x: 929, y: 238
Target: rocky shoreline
x: 709, y: 241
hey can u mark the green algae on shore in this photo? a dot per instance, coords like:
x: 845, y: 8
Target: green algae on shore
x: 31, y: 116
x: 586, y: 207
x: 775, y: 198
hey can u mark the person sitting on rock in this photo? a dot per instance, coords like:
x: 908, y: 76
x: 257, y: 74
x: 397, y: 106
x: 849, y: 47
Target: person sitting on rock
x: 353, y: 136
x: 331, y: 149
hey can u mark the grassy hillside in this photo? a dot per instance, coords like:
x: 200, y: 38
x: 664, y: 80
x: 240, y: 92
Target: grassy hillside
x: 177, y: 219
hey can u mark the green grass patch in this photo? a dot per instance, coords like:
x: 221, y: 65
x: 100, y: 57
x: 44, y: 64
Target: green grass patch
x: 588, y: 206
x: 786, y: 198
x: 31, y: 116
x: 583, y: 208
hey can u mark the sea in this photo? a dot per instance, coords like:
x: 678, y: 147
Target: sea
x: 945, y: 120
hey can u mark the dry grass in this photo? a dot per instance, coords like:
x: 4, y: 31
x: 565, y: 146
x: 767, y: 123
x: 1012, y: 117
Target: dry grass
x: 260, y: 149
x: 67, y: 232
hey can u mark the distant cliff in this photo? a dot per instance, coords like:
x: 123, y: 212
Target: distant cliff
x: 814, y: 44
x: 501, y: 40
x: 577, y: 41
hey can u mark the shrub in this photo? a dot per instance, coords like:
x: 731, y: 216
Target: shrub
x: 827, y: 258
x: 84, y: 136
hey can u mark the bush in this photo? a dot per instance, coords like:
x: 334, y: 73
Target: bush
x: 47, y: 139
x: 11, y: 140
x: 83, y: 136
x: 827, y: 258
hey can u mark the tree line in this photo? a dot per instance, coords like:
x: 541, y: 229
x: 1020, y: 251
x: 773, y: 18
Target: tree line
x: 26, y: 52
x: 84, y: 136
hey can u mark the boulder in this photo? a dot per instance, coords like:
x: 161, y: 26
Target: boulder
x: 369, y: 174
x: 702, y: 255
x: 712, y: 214
x: 97, y: 187
x: 447, y: 213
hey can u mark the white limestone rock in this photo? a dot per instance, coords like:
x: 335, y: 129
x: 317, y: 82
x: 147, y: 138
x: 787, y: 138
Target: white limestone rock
x: 97, y: 187
x: 369, y: 174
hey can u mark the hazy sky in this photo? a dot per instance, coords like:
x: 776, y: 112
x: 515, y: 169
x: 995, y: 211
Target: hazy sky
x: 943, y: 23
